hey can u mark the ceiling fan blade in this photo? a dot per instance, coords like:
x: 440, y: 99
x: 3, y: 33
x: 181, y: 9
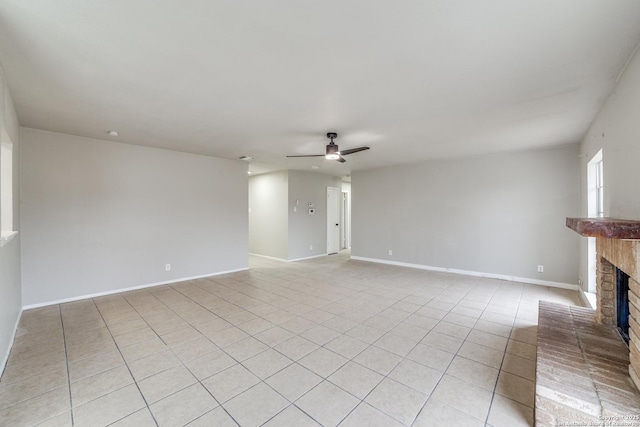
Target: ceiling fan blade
x: 309, y: 155
x: 341, y: 159
x: 352, y: 150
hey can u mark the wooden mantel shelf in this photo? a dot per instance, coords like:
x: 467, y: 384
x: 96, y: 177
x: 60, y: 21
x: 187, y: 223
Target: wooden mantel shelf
x: 610, y: 228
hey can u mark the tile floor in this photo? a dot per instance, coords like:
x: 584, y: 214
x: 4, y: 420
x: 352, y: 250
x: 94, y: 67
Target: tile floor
x: 328, y: 341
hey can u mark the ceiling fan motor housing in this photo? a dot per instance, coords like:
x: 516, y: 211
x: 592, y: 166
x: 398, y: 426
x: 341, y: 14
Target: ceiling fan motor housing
x: 332, y: 148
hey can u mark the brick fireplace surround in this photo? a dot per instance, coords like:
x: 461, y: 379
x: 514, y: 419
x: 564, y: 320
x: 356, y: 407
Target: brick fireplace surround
x: 585, y: 373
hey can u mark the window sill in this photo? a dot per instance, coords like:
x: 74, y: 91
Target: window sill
x: 6, y: 236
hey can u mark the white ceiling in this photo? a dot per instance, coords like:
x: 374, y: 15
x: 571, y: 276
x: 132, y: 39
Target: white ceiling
x: 414, y: 80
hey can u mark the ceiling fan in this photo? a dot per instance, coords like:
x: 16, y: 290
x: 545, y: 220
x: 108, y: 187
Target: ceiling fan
x: 333, y: 152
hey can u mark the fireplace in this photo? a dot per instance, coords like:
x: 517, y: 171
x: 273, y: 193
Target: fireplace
x: 617, y: 279
x: 586, y: 373
x: 622, y: 304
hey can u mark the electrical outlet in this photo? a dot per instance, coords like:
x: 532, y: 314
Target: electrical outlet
x: 541, y: 269
x: 390, y: 252
x: 167, y: 267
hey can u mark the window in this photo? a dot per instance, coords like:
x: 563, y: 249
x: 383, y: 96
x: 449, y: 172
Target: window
x: 6, y: 188
x: 595, y: 186
x: 595, y: 208
x: 599, y: 189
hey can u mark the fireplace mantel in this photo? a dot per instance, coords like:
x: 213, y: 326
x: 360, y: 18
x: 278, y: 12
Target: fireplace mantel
x: 609, y: 228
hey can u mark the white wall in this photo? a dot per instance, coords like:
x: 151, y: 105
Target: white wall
x: 268, y: 221
x: 616, y: 130
x: 99, y: 216
x: 306, y: 231
x: 500, y: 215
x: 10, y: 287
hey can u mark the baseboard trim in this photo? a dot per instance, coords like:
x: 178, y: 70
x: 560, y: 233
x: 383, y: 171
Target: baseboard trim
x: 13, y: 338
x: 472, y: 273
x: 132, y: 288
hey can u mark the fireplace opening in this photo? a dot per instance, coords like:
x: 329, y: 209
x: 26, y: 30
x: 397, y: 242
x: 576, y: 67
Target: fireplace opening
x: 622, y: 303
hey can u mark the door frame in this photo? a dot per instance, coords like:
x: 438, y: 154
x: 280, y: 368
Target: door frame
x: 345, y: 224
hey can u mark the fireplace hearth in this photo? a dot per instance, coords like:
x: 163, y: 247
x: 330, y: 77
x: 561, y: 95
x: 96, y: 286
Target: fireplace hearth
x: 582, y: 371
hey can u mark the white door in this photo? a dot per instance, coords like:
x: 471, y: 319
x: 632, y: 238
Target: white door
x: 333, y: 223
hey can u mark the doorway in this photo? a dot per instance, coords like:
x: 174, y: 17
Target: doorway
x: 333, y: 220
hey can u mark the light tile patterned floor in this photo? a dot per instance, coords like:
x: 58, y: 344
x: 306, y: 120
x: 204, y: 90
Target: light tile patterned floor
x: 327, y: 341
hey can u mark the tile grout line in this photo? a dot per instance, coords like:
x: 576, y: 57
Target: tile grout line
x: 66, y: 362
x: 504, y: 355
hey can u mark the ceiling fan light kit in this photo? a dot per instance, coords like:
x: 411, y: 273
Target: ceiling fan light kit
x: 332, y: 148
x: 333, y: 151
